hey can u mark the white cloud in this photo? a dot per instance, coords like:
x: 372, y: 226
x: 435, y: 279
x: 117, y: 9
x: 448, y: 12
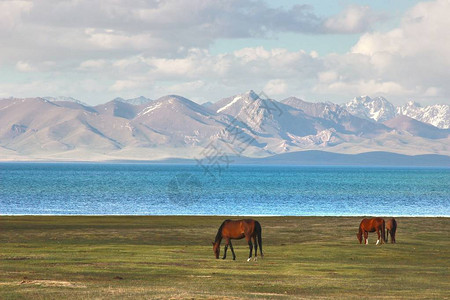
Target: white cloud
x: 328, y: 76
x: 128, y: 84
x: 93, y: 64
x: 275, y: 87
x: 424, y: 29
x: 432, y: 91
x: 190, y: 87
x: 22, y: 66
x: 85, y: 29
x: 103, y: 49
x: 363, y: 87
x: 416, y: 55
x: 11, y: 13
x: 354, y: 19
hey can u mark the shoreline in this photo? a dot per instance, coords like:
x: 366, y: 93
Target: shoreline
x: 231, y: 216
x: 240, y: 164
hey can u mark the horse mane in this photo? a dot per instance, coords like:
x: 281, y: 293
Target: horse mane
x: 219, y: 232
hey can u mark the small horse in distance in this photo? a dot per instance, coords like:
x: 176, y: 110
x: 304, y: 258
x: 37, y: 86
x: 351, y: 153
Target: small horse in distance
x: 238, y: 229
x: 391, y: 227
x: 371, y: 225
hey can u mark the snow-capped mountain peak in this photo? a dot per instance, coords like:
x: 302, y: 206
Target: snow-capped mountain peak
x: 173, y: 103
x: 246, y: 124
x: 377, y: 109
x: 437, y: 115
x: 233, y: 105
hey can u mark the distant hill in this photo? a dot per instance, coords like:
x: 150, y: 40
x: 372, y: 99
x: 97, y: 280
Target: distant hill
x: 362, y: 159
x: 244, y: 126
x: 417, y: 128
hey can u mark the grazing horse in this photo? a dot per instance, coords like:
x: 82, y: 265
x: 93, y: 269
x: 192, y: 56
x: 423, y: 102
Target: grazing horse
x: 391, y: 227
x: 371, y: 225
x: 230, y: 229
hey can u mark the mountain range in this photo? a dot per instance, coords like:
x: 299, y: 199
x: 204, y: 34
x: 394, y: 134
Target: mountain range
x: 245, y: 125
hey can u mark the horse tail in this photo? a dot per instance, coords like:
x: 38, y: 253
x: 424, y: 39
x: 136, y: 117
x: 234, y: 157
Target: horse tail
x: 258, y: 232
x: 394, y: 230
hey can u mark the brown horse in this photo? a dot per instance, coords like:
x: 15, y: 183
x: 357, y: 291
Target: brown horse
x: 371, y: 225
x: 248, y: 228
x: 391, y: 227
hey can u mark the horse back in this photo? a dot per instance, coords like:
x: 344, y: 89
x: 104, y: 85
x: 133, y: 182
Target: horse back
x: 371, y: 225
x: 237, y: 229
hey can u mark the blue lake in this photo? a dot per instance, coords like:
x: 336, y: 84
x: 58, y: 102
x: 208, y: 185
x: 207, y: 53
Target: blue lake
x: 155, y: 189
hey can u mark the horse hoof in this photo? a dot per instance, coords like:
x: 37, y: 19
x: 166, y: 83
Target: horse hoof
x: 249, y: 259
x: 255, y: 259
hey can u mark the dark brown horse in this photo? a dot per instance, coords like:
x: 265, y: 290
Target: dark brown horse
x: 248, y: 228
x: 391, y: 227
x: 371, y: 225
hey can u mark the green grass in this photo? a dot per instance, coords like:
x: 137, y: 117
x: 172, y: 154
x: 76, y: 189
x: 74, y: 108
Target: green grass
x: 78, y: 257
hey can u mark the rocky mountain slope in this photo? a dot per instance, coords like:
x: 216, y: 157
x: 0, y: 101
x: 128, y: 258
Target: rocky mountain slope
x: 245, y: 125
x: 381, y: 110
x: 437, y: 115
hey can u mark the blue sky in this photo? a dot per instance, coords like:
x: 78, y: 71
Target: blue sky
x: 97, y: 50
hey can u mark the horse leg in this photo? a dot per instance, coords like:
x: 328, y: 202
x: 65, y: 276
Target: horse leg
x: 255, y: 244
x: 249, y: 240
x: 366, y: 237
x: 379, y: 236
x: 226, y: 248
x: 232, y: 251
x: 387, y: 236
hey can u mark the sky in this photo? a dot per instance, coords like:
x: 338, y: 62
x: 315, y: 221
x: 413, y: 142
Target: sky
x: 328, y: 50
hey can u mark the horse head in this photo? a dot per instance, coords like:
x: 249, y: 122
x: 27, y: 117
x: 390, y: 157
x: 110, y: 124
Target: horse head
x: 216, y: 249
x: 359, y: 236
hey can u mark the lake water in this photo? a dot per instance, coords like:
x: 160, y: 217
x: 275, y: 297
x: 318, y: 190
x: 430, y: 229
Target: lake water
x: 152, y: 189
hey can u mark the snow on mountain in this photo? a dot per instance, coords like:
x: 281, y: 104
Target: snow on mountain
x: 174, y: 104
x: 134, y: 101
x: 70, y: 102
x: 378, y: 108
x: 278, y: 127
x: 267, y: 116
x: 337, y: 117
x: 381, y: 110
x: 233, y: 105
x: 319, y: 109
x: 180, y: 121
x: 437, y: 115
x: 173, y: 126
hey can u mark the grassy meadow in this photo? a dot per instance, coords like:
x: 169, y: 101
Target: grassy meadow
x: 78, y: 257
